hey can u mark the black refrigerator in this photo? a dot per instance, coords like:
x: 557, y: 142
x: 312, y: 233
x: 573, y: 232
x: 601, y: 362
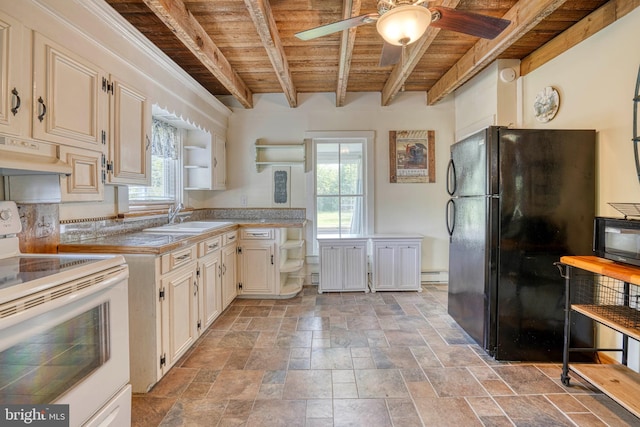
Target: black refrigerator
x: 520, y: 199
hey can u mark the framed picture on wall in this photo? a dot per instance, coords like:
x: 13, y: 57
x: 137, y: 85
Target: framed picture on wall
x: 412, y: 156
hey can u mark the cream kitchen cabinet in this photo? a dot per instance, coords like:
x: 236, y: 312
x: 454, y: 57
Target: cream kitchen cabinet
x: 343, y: 264
x: 14, y: 81
x: 204, y: 161
x: 86, y: 183
x: 129, y: 134
x: 229, y: 276
x: 219, y: 162
x: 257, y: 261
x: 69, y: 97
x: 76, y: 103
x: 209, y: 281
x: 396, y: 263
x: 271, y: 262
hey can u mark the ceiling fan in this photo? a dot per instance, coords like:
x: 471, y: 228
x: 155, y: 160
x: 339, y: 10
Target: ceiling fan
x: 402, y: 22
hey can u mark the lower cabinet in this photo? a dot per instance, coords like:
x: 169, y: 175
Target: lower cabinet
x: 209, y: 281
x: 271, y: 262
x: 228, y: 268
x: 179, y: 313
x: 343, y: 265
x: 396, y: 264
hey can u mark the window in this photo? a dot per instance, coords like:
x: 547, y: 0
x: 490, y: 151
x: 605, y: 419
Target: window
x: 165, y: 149
x: 342, y: 201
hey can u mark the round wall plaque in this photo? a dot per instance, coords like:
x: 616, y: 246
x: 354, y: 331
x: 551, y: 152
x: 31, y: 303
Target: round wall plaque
x: 546, y: 104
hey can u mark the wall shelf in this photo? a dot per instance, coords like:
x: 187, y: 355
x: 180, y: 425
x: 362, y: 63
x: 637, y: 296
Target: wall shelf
x: 294, y: 154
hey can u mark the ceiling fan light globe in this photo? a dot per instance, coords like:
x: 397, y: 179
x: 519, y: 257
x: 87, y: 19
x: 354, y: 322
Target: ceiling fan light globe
x: 403, y: 24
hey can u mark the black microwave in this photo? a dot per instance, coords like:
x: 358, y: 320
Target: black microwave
x: 617, y: 239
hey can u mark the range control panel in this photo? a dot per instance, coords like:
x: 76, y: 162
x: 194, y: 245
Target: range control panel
x: 9, y: 218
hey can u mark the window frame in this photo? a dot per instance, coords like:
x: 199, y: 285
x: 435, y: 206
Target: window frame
x: 367, y: 140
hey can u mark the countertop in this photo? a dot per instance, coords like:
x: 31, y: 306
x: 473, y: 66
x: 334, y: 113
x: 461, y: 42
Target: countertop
x: 146, y: 243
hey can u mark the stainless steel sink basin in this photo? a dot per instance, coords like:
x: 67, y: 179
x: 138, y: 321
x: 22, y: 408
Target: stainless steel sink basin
x: 193, y: 227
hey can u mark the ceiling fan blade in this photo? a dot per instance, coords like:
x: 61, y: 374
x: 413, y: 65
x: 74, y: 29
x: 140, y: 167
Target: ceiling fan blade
x: 470, y: 23
x: 334, y: 27
x: 390, y: 55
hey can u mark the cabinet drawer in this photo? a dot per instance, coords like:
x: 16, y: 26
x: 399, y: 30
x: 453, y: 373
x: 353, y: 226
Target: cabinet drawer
x: 178, y: 258
x: 209, y: 245
x: 257, y: 233
x: 229, y: 237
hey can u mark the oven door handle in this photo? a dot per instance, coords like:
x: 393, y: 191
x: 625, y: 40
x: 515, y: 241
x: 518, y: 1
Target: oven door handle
x: 113, y: 277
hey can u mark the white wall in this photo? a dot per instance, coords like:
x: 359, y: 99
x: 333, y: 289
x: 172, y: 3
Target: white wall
x: 596, y: 82
x: 417, y: 208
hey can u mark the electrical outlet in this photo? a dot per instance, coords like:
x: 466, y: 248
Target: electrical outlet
x: 243, y: 201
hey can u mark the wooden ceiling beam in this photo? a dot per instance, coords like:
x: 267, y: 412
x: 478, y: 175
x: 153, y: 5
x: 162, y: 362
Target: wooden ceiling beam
x: 403, y: 70
x: 177, y: 17
x: 263, y: 19
x: 524, y: 15
x: 582, y: 30
x: 350, y: 9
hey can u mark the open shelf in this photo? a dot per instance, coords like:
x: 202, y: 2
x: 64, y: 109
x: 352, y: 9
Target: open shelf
x: 616, y: 381
x: 294, y: 154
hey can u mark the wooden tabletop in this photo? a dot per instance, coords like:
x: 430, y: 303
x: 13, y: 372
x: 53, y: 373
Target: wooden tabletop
x: 626, y: 273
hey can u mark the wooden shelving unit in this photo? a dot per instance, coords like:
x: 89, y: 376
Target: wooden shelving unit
x: 604, y: 291
x: 295, y: 154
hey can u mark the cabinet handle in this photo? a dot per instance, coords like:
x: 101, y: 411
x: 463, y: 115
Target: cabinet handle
x: 44, y: 109
x: 231, y: 238
x: 224, y: 268
x: 215, y: 245
x: 220, y: 271
x: 195, y: 289
x: 271, y: 259
x: 215, y: 162
x: 15, y: 109
x: 146, y: 147
x: 182, y: 257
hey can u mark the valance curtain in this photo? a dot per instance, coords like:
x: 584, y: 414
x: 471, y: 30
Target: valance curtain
x: 165, y: 140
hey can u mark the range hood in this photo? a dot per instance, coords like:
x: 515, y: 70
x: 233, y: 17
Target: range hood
x: 27, y: 157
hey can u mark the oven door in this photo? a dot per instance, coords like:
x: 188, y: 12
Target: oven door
x: 67, y: 345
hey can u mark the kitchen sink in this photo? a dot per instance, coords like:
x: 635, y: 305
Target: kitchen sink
x: 193, y: 227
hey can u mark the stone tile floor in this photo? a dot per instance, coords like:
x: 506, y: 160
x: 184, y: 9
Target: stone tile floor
x: 355, y: 359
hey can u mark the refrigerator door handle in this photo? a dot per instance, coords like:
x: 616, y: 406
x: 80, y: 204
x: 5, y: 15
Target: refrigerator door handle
x: 451, y: 178
x: 451, y: 217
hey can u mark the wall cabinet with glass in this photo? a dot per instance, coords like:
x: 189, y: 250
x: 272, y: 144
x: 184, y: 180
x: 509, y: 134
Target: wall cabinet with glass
x: 204, y: 161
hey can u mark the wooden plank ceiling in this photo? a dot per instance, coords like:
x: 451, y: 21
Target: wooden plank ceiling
x: 242, y: 47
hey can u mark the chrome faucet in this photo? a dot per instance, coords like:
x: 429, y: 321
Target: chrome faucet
x: 174, y: 211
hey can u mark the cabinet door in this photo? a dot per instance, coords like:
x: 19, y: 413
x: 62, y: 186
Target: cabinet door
x: 210, y: 286
x: 354, y: 268
x: 129, y: 136
x: 179, y: 313
x: 408, y: 266
x: 69, y: 103
x: 219, y: 163
x: 257, y: 268
x: 384, y: 266
x: 86, y: 182
x: 14, y: 95
x: 330, y: 268
x: 229, y: 284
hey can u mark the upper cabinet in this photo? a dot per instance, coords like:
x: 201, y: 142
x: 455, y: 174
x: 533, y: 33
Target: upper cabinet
x: 14, y: 93
x: 129, y: 134
x: 75, y: 103
x: 204, y: 161
x: 69, y: 97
